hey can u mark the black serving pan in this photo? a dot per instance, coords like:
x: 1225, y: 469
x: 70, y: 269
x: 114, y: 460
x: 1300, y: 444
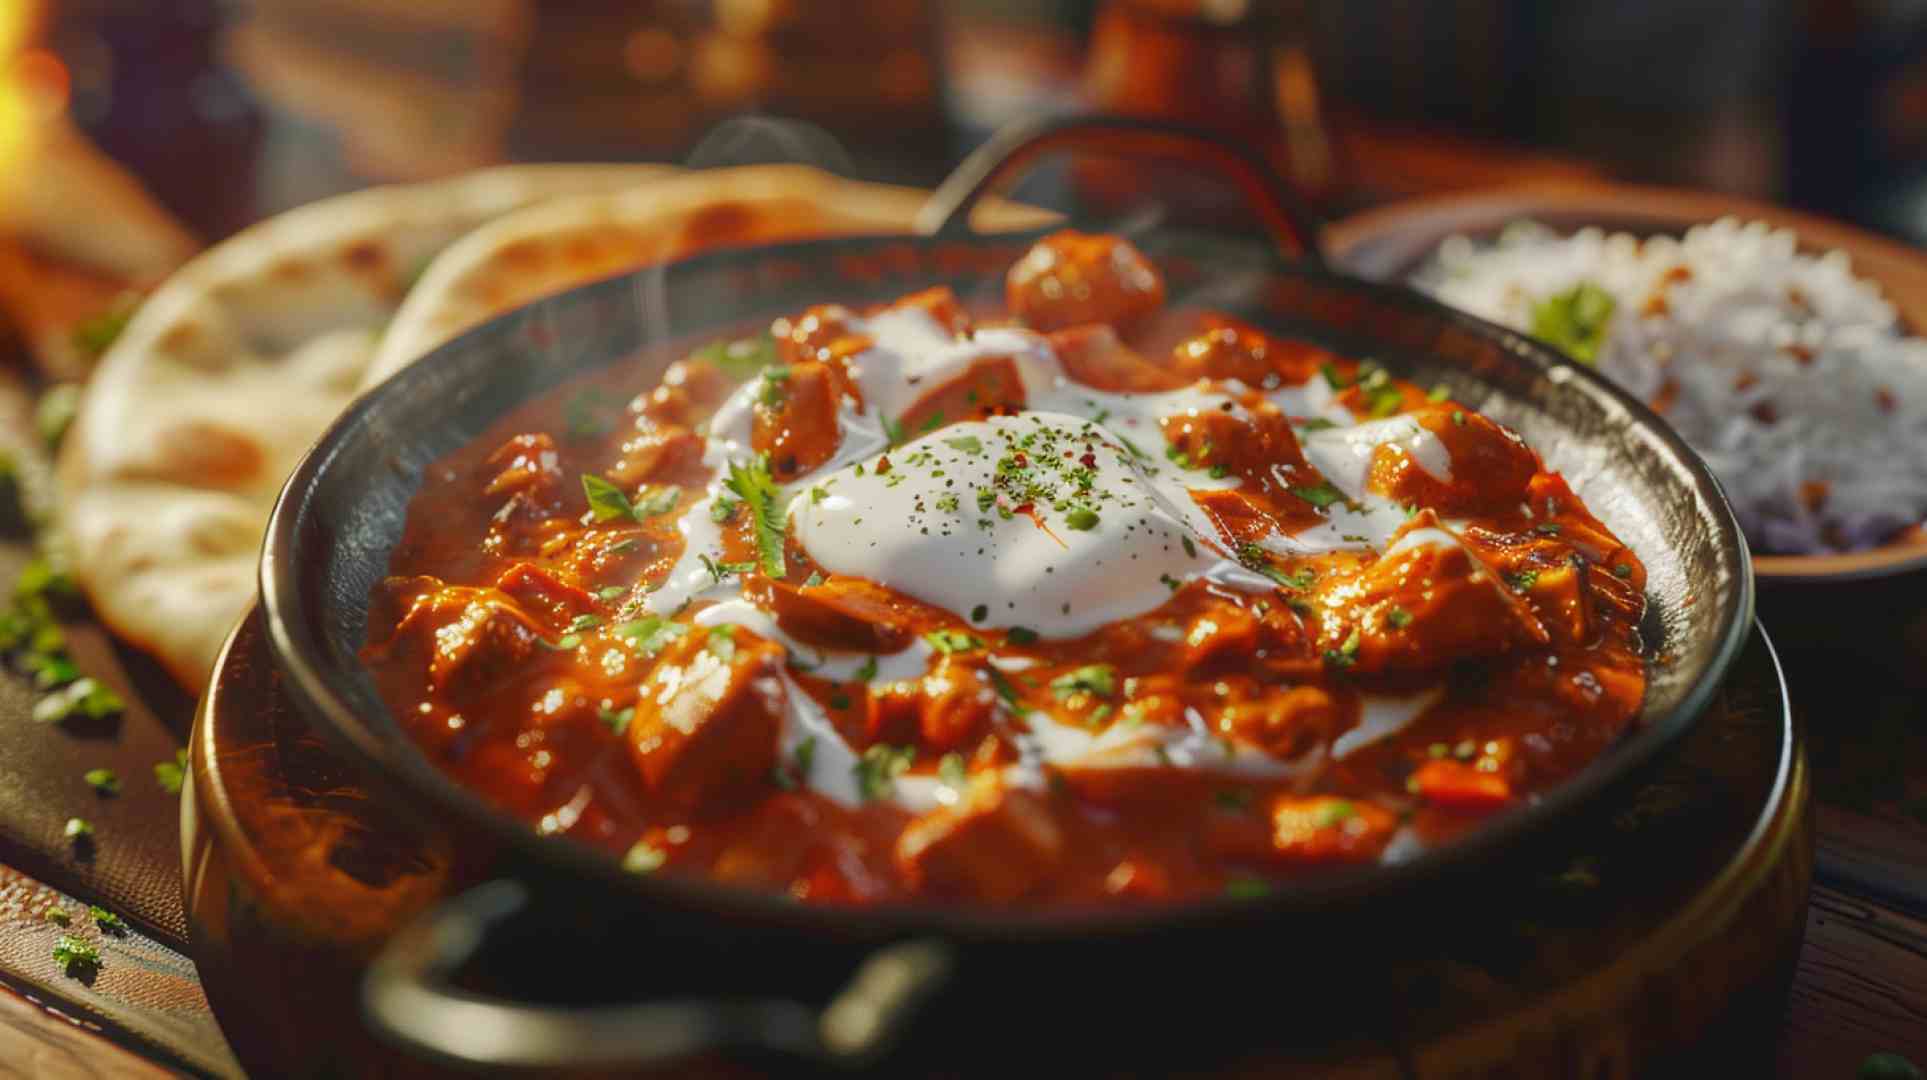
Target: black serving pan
x: 654, y: 970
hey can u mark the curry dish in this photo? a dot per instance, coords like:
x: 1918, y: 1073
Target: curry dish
x: 1085, y: 599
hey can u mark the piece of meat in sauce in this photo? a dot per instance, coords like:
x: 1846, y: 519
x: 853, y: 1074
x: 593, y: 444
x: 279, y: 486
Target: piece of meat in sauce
x: 467, y: 638
x: 704, y: 736
x: 995, y: 843
x: 1071, y: 278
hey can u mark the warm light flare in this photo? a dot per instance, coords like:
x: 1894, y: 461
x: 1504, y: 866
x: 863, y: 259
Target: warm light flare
x: 31, y: 83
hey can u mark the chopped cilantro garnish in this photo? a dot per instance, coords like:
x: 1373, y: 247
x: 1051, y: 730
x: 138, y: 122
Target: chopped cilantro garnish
x: 953, y: 641
x: 1333, y: 378
x: 584, y: 622
x: 1399, y: 618
x: 1081, y: 518
x: 660, y: 501
x: 753, y: 484
x: 1441, y: 392
x: 801, y: 759
x: 103, y: 781
x: 606, y: 501
x: 867, y: 672
x: 951, y: 769
x: 892, y: 429
x: 980, y: 613
x: 58, y: 916
x: 877, y: 770
x: 83, y: 697
x: 1346, y: 654
x: 1332, y: 813
x: 1622, y: 570
x: 651, y: 633
x: 969, y: 444
x: 1575, y: 320
x: 1321, y: 496
x: 721, y: 642
x: 612, y: 592
x: 722, y: 509
x: 78, y: 829
x: 1523, y: 580
x: 617, y: 720
x: 75, y: 956
x: 1458, y: 417
x: 1021, y: 635
x: 105, y: 919
x: 170, y: 775
x: 1316, y: 423
x: 720, y: 570
x: 1097, y: 679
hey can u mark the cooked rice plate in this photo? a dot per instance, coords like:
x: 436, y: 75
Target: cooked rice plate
x: 1790, y: 375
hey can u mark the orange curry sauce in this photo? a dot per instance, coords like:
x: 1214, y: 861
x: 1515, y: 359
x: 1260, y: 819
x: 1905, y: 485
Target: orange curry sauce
x: 512, y: 641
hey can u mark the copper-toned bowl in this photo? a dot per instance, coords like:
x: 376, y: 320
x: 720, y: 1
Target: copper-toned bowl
x: 1390, y: 243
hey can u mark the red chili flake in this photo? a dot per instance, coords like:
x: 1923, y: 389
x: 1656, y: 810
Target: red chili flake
x: 1813, y: 495
x: 1884, y: 398
x: 1765, y: 412
x: 883, y: 465
x: 1801, y: 353
x: 1089, y: 460
x: 1020, y: 460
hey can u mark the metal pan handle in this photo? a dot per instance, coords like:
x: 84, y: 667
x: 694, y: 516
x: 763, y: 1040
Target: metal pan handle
x: 995, y: 165
x: 409, y: 1000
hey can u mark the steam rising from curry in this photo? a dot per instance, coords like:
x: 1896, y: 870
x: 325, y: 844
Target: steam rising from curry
x: 1090, y: 599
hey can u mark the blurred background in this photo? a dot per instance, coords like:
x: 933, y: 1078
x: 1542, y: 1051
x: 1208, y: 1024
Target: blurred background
x: 228, y: 111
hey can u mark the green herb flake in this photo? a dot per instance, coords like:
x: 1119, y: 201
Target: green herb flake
x: 75, y: 956
x: 617, y: 720
x: 606, y: 501
x: 78, y: 829
x: 867, y: 672
x: 1333, y: 377
x: 103, y: 781
x: 58, y: 916
x: 1523, y: 580
x: 802, y: 760
x: 1399, y: 618
x: 1321, y: 495
x: 1622, y: 570
x: 1575, y: 321
x: 1021, y: 635
x: 1333, y: 813
x: 969, y: 444
x: 1439, y: 393
x: 1097, y: 679
x: 1081, y: 518
x: 721, y: 642
x: 951, y: 770
x: 1546, y: 528
x: 650, y: 634
x: 171, y: 775
x: 105, y: 919
x: 753, y: 484
x: 657, y: 503
x: 877, y: 770
x: 948, y: 642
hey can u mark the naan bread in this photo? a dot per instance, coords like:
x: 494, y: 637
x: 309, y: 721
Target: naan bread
x: 565, y: 242
x: 226, y: 375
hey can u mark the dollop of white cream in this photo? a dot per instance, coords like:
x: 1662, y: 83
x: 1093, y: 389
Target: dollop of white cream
x: 1040, y: 519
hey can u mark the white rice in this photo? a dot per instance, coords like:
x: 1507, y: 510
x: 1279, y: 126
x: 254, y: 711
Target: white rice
x: 1785, y: 371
